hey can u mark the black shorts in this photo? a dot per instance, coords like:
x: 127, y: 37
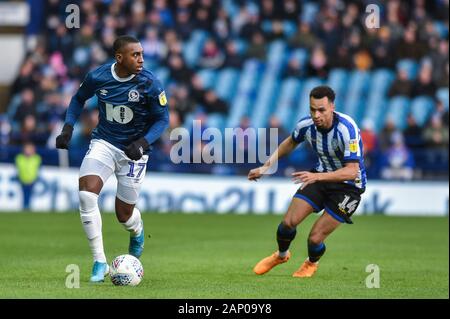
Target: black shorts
x: 340, y: 200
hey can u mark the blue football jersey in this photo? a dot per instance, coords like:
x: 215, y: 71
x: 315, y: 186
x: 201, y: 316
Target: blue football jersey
x: 129, y: 108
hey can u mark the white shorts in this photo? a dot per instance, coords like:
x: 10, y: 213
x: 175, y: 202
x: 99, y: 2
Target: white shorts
x: 103, y: 159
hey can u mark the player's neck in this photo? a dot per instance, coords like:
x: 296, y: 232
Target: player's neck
x: 120, y: 71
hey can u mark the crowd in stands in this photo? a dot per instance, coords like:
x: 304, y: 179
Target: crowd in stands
x: 332, y: 32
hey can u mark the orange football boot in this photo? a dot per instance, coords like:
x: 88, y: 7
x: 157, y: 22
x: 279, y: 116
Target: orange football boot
x: 268, y: 263
x: 306, y: 270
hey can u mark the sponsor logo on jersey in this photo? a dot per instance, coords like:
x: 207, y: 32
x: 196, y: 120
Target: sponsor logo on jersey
x: 133, y: 96
x: 353, y: 146
x: 162, y: 98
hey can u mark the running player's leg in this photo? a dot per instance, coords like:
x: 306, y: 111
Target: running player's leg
x: 129, y: 180
x: 321, y: 229
x: 94, y: 172
x: 302, y: 205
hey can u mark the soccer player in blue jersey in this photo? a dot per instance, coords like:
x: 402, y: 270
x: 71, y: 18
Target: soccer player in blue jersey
x: 133, y: 113
x: 334, y: 186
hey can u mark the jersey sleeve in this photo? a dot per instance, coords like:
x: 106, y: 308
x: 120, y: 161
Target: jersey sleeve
x: 298, y: 135
x: 351, y: 139
x: 85, y: 92
x: 160, y: 112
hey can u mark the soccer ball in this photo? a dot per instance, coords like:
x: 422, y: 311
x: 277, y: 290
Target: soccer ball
x: 126, y: 270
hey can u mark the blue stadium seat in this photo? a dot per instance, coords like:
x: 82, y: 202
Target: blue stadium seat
x: 442, y: 95
x: 398, y: 110
x: 355, y: 99
x: 289, y: 92
x: 265, y: 100
x: 193, y: 47
x: 375, y: 107
x: 441, y: 28
x: 226, y: 83
x: 208, y: 77
x: 309, y: 12
x: 216, y: 120
x: 246, y: 91
x: 289, y: 28
x: 421, y: 108
x: 276, y: 56
x: 301, y: 55
x: 162, y: 74
x: 337, y: 79
x: 302, y: 108
x: 411, y: 67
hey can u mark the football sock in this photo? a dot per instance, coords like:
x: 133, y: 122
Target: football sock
x: 134, y: 223
x: 92, y: 224
x: 284, y: 237
x: 315, y: 251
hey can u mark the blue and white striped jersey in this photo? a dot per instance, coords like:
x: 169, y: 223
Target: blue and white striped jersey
x: 340, y: 144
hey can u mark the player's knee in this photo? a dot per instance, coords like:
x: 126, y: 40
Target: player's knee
x: 315, y: 238
x: 289, y: 222
x: 88, y: 201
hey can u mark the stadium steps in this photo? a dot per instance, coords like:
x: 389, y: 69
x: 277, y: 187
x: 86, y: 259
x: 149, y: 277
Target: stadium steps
x: 193, y: 47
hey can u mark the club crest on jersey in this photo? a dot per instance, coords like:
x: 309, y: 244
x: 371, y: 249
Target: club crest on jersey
x: 133, y: 96
x: 334, y: 144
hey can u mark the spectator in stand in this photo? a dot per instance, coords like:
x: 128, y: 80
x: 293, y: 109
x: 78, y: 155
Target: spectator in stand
x: 382, y: 49
x: 424, y: 83
x: 399, y: 161
x: 304, y: 37
x: 179, y: 71
x: 294, y: 69
x: 257, y: 48
x: 401, y: 85
x: 233, y: 58
x: 211, y: 56
x: 409, y: 47
x: 29, y: 133
x: 385, y: 136
x: 413, y: 134
x: 318, y: 63
x: 213, y: 104
x: 436, y: 135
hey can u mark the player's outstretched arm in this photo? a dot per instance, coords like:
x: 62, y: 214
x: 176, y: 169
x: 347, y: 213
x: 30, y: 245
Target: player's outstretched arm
x: 286, y: 147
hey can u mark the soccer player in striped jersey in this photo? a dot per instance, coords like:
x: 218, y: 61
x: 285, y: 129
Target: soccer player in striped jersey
x: 335, y: 185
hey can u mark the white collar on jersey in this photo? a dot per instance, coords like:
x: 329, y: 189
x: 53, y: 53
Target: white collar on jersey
x: 116, y: 77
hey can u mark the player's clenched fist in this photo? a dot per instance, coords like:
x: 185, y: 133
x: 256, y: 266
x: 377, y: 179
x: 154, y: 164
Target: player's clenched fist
x: 136, y: 149
x: 62, y: 140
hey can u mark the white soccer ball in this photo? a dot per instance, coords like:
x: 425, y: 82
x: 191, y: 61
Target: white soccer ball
x: 126, y: 270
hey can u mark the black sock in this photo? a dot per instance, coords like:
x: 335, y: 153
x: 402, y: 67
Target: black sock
x: 284, y: 237
x: 315, y: 251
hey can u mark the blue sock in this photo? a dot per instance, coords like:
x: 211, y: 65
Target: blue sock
x: 315, y: 251
x: 284, y: 237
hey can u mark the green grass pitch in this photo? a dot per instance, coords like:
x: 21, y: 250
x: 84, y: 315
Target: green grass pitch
x: 212, y: 256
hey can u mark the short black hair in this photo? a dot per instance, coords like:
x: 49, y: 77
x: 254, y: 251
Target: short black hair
x: 122, y: 41
x: 323, y: 91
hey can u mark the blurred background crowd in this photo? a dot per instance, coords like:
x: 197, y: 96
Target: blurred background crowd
x: 243, y: 63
